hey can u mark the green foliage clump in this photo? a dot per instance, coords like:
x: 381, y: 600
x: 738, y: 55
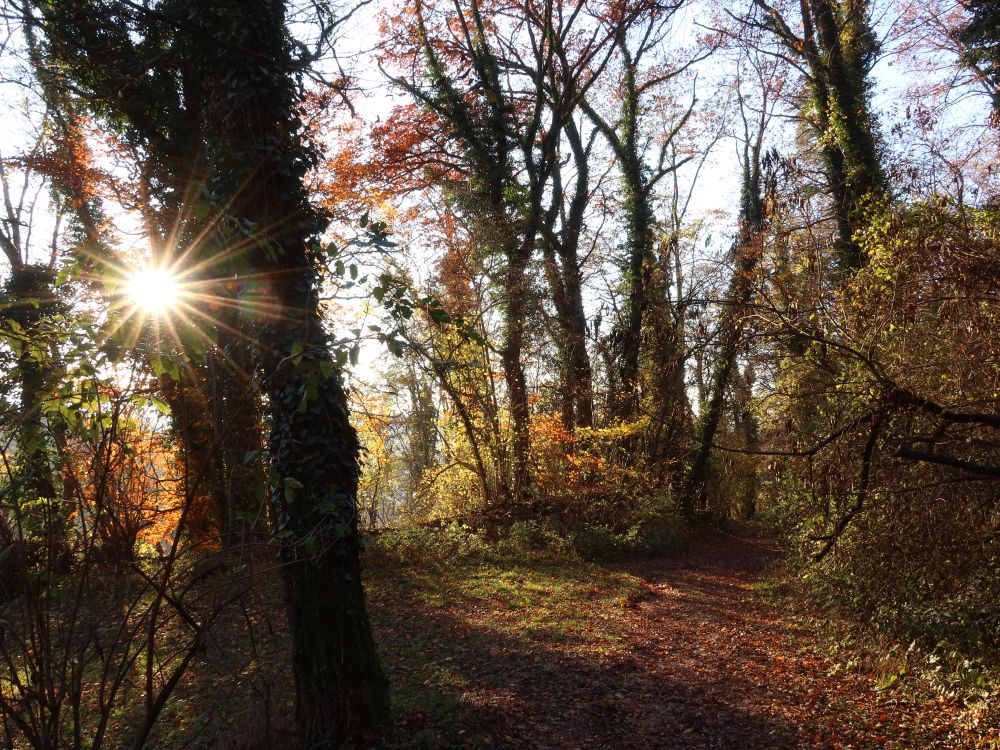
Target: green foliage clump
x: 531, y: 537
x: 547, y: 538
x: 454, y: 541
x: 658, y: 536
x: 593, y: 542
x: 894, y: 517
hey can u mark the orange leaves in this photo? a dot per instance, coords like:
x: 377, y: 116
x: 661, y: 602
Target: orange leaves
x: 126, y: 484
x: 410, y: 149
x: 454, y: 275
x: 551, y: 444
x: 586, y: 473
x: 70, y: 164
x: 346, y: 180
x: 366, y: 167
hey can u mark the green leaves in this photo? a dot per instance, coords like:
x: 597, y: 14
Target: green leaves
x: 291, y: 487
x: 163, y: 366
x: 154, y: 402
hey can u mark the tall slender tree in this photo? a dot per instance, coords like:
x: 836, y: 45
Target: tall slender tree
x: 642, y: 166
x: 562, y: 234
x: 223, y: 76
x: 744, y: 255
x: 835, y: 54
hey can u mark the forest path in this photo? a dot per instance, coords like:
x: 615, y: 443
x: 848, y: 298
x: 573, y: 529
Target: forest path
x: 691, y: 657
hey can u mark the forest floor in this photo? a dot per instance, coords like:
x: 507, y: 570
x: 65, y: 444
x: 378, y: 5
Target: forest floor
x: 676, y: 652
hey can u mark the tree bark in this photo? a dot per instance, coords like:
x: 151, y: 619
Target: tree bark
x: 515, y: 308
x: 259, y: 160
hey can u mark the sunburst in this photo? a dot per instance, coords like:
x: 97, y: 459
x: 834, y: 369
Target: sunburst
x: 154, y: 290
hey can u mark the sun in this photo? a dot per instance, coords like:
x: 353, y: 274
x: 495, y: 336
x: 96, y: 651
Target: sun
x: 155, y: 291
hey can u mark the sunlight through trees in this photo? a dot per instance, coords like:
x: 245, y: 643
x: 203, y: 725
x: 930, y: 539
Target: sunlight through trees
x: 459, y: 302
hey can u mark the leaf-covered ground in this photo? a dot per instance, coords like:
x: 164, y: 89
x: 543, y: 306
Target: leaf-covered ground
x: 679, y: 652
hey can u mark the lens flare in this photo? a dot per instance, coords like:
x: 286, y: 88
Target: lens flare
x: 155, y: 291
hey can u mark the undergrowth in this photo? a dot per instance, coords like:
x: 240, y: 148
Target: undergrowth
x: 548, y: 537
x: 936, y: 660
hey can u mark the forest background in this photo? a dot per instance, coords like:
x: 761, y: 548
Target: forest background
x: 286, y: 280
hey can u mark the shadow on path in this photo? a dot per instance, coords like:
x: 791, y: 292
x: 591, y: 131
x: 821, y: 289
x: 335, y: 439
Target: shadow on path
x: 693, y: 659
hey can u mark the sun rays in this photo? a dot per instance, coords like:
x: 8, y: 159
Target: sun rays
x: 202, y: 299
x: 198, y: 287
x: 154, y: 290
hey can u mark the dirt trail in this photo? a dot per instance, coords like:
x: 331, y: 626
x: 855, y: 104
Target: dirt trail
x: 695, y: 659
x: 719, y: 668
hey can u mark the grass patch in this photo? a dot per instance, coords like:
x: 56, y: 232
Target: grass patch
x: 453, y: 635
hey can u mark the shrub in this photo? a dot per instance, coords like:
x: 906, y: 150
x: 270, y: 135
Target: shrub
x: 430, y: 544
x: 655, y: 536
x: 593, y: 542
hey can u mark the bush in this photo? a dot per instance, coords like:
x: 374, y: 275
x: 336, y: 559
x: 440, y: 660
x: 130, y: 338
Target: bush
x: 431, y: 544
x: 657, y: 536
x: 593, y: 542
x: 546, y: 537
x: 531, y: 538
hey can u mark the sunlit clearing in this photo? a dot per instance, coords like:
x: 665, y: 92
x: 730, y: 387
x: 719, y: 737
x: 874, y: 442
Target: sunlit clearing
x: 155, y: 291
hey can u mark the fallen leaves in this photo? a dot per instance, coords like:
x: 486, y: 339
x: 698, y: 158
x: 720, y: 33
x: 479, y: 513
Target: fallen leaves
x: 655, y: 655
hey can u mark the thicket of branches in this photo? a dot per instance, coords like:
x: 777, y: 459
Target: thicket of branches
x: 524, y: 236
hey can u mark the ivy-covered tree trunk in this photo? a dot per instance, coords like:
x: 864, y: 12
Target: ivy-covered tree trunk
x: 639, y: 240
x: 341, y: 692
x: 566, y: 285
x: 671, y: 427
x: 745, y: 254
x: 838, y: 47
x: 31, y: 302
x: 259, y: 160
x: 582, y: 382
x: 626, y: 336
x: 236, y: 431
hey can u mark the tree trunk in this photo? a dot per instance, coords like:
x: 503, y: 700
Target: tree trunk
x: 341, y: 692
x: 33, y: 303
x: 745, y: 253
x: 259, y: 161
x: 236, y: 427
x: 671, y: 421
x: 574, y: 319
x: 515, y: 307
x: 565, y: 284
x: 639, y: 236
